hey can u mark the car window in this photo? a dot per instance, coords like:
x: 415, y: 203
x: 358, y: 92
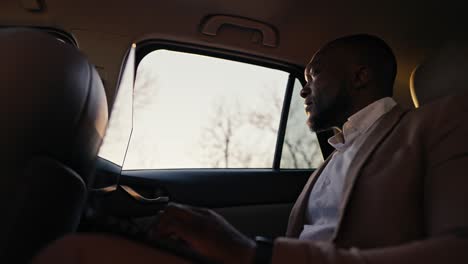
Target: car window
x: 195, y: 111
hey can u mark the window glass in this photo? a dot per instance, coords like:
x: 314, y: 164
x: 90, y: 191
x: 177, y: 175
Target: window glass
x: 194, y: 111
x: 301, y: 148
x: 119, y: 127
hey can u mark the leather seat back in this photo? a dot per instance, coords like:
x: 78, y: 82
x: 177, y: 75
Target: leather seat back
x: 53, y: 116
x: 443, y: 73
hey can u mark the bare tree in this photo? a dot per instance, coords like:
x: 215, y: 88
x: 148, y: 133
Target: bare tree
x: 300, y: 147
x: 219, y: 138
x: 222, y: 144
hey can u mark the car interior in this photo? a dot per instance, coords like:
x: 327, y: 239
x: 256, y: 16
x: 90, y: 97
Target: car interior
x: 113, y: 109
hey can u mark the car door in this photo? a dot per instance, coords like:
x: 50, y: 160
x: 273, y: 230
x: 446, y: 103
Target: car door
x: 210, y: 128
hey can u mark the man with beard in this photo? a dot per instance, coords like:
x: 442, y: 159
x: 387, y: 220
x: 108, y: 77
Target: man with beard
x: 393, y: 191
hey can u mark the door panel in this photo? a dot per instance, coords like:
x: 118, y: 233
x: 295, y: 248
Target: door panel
x: 257, y: 202
x: 269, y: 220
x: 221, y: 188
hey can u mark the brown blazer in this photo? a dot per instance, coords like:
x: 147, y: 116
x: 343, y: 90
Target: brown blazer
x: 405, y: 195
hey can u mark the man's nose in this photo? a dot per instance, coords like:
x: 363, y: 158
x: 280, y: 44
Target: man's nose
x: 305, y: 91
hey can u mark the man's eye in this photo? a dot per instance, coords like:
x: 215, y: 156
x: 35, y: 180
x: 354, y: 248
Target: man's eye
x: 316, y: 72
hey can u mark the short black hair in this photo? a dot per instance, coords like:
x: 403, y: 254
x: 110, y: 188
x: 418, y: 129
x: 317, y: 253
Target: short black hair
x: 375, y: 53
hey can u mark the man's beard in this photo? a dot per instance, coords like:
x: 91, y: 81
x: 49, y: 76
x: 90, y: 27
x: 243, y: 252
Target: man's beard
x: 332, y: 114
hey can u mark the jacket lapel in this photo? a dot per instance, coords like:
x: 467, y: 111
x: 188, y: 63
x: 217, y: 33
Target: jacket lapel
x: 296, y: 218
x: 384, y: 127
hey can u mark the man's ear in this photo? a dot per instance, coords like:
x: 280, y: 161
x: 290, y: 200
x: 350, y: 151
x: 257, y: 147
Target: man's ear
x: 362, y: 76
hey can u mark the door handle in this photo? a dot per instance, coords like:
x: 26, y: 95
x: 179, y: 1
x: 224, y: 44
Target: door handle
x: 214, y: 23
x: 135, y: 195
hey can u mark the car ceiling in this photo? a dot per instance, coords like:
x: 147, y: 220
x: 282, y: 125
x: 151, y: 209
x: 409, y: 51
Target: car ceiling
x: 105, y: 29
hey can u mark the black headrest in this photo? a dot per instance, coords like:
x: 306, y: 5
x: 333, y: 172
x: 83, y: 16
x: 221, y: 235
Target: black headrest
x: 52, y: 101
x: 53, y: 115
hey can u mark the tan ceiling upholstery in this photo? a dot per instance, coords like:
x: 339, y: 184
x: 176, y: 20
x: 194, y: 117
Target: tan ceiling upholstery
x: 104, y: 29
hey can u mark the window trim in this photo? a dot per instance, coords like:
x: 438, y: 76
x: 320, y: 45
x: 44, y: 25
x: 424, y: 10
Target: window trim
x: 145, y: 47
x: 283, y: 122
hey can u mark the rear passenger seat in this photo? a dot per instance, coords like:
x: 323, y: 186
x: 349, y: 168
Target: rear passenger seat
x: 54, y: 114
x: 444, y: 73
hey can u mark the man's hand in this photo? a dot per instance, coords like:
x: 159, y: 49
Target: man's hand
x: 206, y: 232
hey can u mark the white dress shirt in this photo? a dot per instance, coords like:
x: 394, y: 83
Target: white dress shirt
x: 322, y: 212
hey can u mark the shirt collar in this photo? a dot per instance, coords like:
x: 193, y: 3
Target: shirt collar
x: 360, y: 122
